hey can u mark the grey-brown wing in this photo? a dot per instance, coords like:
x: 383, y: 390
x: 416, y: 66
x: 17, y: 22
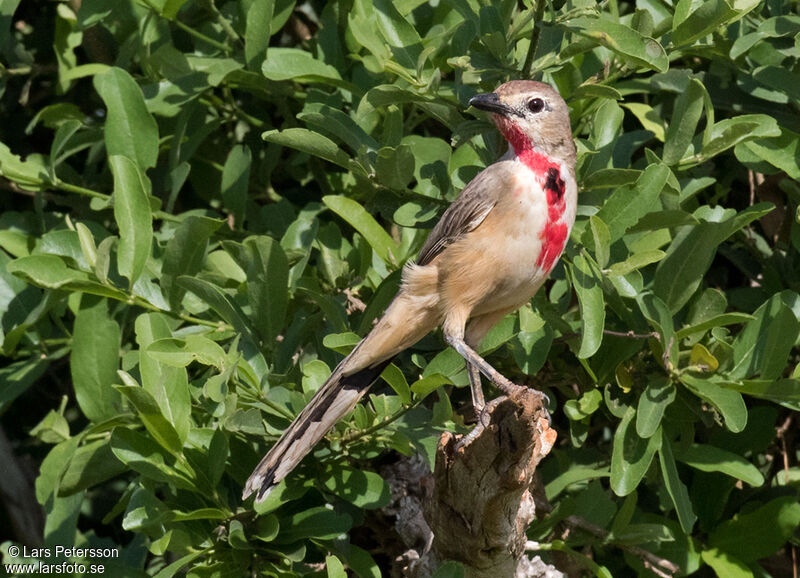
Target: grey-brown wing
x: 469, y: 209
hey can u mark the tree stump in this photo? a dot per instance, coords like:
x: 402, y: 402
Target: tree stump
x: 482, y: 503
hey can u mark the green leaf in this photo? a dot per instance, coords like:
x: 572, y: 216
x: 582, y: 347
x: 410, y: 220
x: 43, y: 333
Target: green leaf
x: 574, y: 474
x: 341, y: 342
x: 130, y: 130
x: 177, y: 565
x: 782, y: 152
x: 358, y: 217
x: 399, y: 34
x: 590, y: 90
x: 257, y: 32
x: 685, y: 116
x: 362, y: 563
x: 143, y: 455
x: 732, y: 131
x: 169, y: 386
x: 633, y: 534
x: 200, y: 514
x: 334, y: 567
x: 635, y: 262
x: 530, y: 348
x: 764, y: 344
x: 94, y: 360
x: 712, y: 459
x: 592, y: 305
x: 330, y: 120
x: 783, y: 391
x: 676, y: 488
x: 394, y: 167
x: 725, y: 564
x: 133, y: 216
x: 52, y: 469
x: 150, y: 413
x: 583, y: 407
x: 722, y: 320
x: 689, y: 256
x: 601, y: 240
x: 7, y: 10
x: 219, y: 302
x: 628, y: 204
x: 728, y: 402
x: 17, y: 377
x: 397, y: 381
x: 90, y: 465
x: 427, y: 385
x: 182, y: 352
x: 236, y: 182
x: 706, y: 17
x: 88, y: 247
x: 51, y: 272
x: 29, y: 174
x: 185, y: 254
x: 268, y: 281
x: 52, y: 429
x: 758, y: 533
x: 649, y: 118
x: 625, y: 41
x: 655, y: 399
x: 62, y: 137
x: 319, y: 523
x: 309, y: 142
x: 610, y: 178
x: 171, y: 8
x: 298, y: 65
x: 631, y: 456
x: 362, y: 488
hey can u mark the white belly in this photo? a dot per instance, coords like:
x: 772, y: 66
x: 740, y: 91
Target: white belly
x: 515, y: 256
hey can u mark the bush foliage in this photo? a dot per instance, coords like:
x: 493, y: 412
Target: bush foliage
x: 205, y: 203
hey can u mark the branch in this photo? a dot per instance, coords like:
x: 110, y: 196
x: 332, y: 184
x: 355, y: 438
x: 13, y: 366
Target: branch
x: 481, y: 503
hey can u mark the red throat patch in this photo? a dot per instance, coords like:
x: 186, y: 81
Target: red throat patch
x: 548, y: 173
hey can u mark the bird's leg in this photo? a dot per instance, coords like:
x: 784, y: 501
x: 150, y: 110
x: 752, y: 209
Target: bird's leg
x: 478, y: 401
x: 474, y: 360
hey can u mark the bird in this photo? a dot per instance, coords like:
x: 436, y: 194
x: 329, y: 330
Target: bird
x: 489, y: 253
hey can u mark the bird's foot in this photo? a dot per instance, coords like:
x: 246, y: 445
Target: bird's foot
x: 509, y: 389
x: 483, y: 415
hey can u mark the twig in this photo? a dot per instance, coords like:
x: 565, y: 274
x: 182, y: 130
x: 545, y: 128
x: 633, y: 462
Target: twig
x: 781, y: 434
x: 625, y: 334
x: 224, y: 23
x: 70, y: 188
x: 658, y: 565
x: 354, y: 435
x: 538, y: 13
x: 191, y: 31
x: 631, y: 334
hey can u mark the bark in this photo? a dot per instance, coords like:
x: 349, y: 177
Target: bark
x: 481, y: 503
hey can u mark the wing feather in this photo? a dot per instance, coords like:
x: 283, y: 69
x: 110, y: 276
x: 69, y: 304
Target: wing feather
x: 469, y: 210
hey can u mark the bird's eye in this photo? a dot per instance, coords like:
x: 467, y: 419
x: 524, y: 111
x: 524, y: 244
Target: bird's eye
x: 535, y: 105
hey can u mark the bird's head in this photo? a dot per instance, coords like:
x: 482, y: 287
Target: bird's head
x: 530, y: 115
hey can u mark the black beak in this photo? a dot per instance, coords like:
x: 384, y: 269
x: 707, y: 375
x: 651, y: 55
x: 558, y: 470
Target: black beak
x: 491, y: 103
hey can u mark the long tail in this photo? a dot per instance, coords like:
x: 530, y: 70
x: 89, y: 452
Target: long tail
x: 405, y: 322
x: 337, y: 396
